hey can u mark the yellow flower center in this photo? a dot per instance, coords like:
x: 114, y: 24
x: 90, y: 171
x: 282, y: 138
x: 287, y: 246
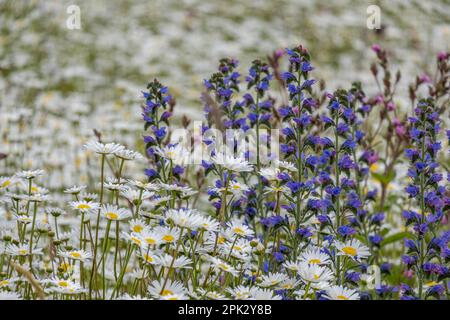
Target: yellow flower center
x: 4, y: 283
x: 75, y: 255
x: 221, y: 240
x: 63, y: 284
x: 431, y: 283
x: 239, y: 230
x: 349, y: 250
x: 314, y: 261
x: 150, y: 240
x: 64, y: 266
x: 148, y: 258
x: 34, y: 189
x: 170, y: 154
x: 136, y: 240
x: 166, y: 292
x: 223, y: 266
x: 83, y: 206
x: 168, y: 238
x: 6, y: 183
x: 341, y: 297
x: 112, y: 215
x: 138, y: 228
x: 236, y: 187
x: 23, y: 251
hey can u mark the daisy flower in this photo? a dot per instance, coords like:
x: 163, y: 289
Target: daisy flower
x: 272, y: 279
x: 112, y: 184
x: 126, y: 154
x: 101, y: 148
x: 23, y: 218
x: 341, y: 293
x: 85, y: 196
x: 263, y: 294
x: 148, y: 256
x: 239, y: 229
x: 168, y: 235
x: 181, y: 262
x: 213, y: 295
x: 352, y: 248
x: 220, y: 265
x: 184, y: 218
x: 135, y: 196
x: 240, y: 292
x: 30, y: 174
x: 79, y: 255
x: 239, y: 249
x: 314, y: 256
x: 315, y: 274
x: 55, y: 212
x: 64, y: 286
x: 237, y: 189
x: 173, y: 290
x: 114, y: 213
x: 150, y: 237
x: 21, y: 250
x: 84, y: 206
x: 8, y: 283
x: 231, y: 163
x: 74, y: 189
x: 209, y: 224
x: 6, y: 182
x: 286, y: 165
x: 270, y: 173
x: 288, y: 284
x: 175, y: 153
x: 137, y: 225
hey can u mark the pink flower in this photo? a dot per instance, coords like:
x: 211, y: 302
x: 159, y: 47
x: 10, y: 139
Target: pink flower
x: 424, y: 78
x: 379, y: 99
x: 400, y: 130
x: 442, y: 55
x: 390, y: 106
x: 376, y: 48
x: 408, y: 274
x: 279, y: 53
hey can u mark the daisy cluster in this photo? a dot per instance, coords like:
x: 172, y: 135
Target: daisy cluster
x: 57, y: 84
x: 321, y: 222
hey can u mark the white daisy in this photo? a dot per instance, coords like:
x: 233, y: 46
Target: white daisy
x: 171, y: 290
x: 231, y: 163
x: 272, y: 279
x: 352, y: 248
x: 79, y: 255
x: 101, y: 148
x: 114, y: 213
x: 184, y: 218
x: 341, y: 293
x: 314, y: 256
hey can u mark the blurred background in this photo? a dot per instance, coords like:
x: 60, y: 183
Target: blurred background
x: 57, y: 83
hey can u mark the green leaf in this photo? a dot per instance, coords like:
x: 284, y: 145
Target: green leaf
x: 396, y: 237
x: 384, y: 179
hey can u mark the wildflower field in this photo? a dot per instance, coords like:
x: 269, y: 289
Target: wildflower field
x: 276, y: 150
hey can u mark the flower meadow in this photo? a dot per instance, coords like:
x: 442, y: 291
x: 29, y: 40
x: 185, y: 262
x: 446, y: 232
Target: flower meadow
x: 351, y: 201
